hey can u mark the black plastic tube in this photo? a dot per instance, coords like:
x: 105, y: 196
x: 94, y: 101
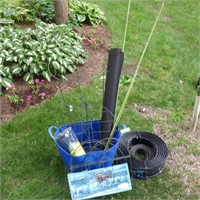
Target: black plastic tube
x: 115, y: 61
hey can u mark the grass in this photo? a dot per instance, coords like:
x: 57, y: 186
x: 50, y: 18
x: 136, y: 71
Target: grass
x: 31, y: 167
x: 173, y: 52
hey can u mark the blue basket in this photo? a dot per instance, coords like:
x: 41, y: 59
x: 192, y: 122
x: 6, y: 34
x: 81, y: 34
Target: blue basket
x: 88, y: 133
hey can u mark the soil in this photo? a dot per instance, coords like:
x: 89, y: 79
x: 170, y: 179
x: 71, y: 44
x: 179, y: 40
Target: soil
x: 96, y: 44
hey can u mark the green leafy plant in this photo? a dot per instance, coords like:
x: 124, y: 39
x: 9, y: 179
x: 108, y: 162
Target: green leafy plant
x: 4, y: 21
x: 5, y: 76
x: 42, y: 9
x: 49, y: 50
x: 22, y: 10
x: 14, y: 10
x: 92, y: 38
x: 36, y: 89
x: 82, y: 11
x: 125, y: 80
x: 86, y: 12
x: 13, y: 97
x: 73, y: 22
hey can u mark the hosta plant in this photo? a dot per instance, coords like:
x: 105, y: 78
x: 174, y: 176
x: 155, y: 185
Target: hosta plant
x: 42, y: 9
x: 14, y: 10
x: 86, y: 12
x: 4, y: 21
x: 48, y: 51
x: 21, y: 10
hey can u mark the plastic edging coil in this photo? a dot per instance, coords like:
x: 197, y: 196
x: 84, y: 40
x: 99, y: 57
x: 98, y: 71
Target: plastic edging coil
x: 150, y: 147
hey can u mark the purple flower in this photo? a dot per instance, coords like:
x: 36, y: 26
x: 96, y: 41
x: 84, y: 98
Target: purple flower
x: 37, y: 80
x: 43, y: 94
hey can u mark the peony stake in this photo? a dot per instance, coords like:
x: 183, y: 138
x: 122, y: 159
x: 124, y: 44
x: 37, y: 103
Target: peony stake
x: 133, y: 80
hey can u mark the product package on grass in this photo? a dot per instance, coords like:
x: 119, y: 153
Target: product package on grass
x: 99, y: 182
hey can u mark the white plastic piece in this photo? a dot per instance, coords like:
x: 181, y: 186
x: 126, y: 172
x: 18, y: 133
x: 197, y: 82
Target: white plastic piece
x: 125, y: 130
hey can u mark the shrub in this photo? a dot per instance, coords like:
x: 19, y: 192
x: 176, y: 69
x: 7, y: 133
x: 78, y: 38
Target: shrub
x: 49, y: 50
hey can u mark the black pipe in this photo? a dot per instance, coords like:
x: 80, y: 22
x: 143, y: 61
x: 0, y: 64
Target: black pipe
x: 115, y: 61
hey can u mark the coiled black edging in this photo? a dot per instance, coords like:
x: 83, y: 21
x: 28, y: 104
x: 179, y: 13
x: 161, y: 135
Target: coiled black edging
x: 148, y: 153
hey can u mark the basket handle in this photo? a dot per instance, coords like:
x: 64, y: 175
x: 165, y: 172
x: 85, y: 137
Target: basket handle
x: 123, y: 128
x: 50, y: 131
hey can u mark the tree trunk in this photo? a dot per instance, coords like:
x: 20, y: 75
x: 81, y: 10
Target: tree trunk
x: 61, y: 11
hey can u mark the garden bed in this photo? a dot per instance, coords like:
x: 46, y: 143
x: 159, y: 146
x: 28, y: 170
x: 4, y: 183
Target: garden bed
x: 96, y: 45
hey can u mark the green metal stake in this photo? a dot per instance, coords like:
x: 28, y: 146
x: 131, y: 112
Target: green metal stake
x: 134, y: 76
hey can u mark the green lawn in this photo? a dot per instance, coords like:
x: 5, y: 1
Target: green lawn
x: 31, y: 167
